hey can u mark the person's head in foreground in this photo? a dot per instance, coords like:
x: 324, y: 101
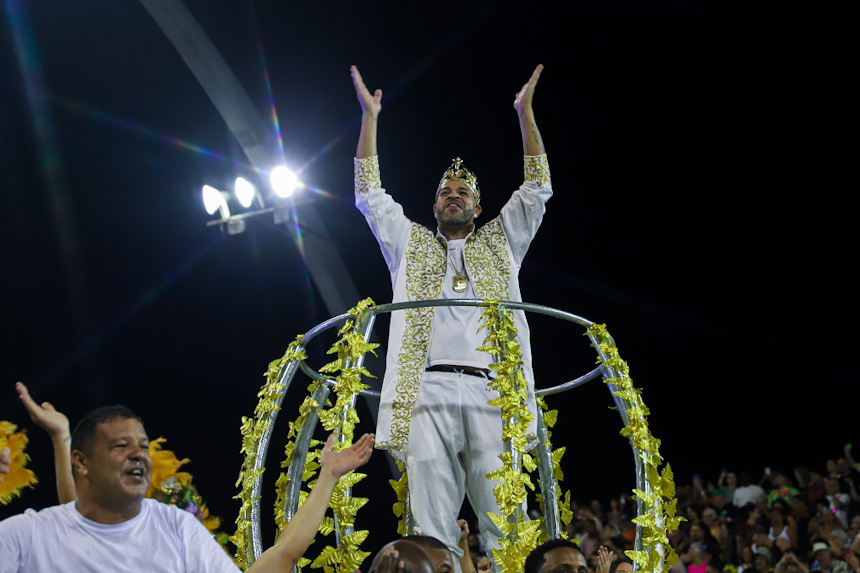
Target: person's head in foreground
x: 417, y: 553
x: 556, y: 556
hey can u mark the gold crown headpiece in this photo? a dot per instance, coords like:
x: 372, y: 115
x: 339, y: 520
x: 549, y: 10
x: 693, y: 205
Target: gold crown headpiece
x: 457, y: 172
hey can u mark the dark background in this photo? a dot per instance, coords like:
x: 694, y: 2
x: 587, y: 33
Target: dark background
x: 703, y: 159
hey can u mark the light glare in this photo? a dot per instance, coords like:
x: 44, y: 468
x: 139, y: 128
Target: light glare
x: 245, y: 192
x: 284, y: 181
x: 212, y: 199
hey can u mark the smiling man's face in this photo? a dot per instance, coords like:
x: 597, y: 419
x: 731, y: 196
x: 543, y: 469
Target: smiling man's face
x: 119, y: 467
x: 455, y: 204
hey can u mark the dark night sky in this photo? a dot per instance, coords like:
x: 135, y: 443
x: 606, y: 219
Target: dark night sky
x: 702, y: 159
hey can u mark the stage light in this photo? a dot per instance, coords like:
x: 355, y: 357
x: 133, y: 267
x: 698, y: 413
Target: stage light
x: 215, y: 200
x: 284, y: 181
x: 245, y: 192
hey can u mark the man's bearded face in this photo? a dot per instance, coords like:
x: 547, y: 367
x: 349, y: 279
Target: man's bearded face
x: 455, y: 204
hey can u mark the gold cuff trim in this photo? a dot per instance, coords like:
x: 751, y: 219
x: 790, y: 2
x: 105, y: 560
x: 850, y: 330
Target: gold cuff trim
x: 367, y: 174
x: 536, y: 168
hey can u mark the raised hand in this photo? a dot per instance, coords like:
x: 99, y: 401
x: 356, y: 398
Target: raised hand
x: 604, y: 559
x: 464, y: 532
x: 390, y: 563
x: 371, y: 104
x: 339, y: 463
x: 45, y: 415
x: 523, y: 99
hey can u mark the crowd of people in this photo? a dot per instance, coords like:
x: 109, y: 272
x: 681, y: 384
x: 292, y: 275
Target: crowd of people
x: 805, y: 521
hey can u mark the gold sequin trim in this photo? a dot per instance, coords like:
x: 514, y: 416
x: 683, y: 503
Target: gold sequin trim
x: 425, y: 271
x: 367, y: 174
x: 487, y: 261
x: 536, y: 168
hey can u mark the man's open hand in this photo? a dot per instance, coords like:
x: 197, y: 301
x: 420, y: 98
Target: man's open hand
x: 523, y: 99
x: 45, y: 415
x: 339, y: 463
x: 371, y: 104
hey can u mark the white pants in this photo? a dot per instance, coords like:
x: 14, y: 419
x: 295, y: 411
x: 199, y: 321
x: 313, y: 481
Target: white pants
x: 454, y: 442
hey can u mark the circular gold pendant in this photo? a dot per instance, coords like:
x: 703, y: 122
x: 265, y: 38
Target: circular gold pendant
x: 460, y: 282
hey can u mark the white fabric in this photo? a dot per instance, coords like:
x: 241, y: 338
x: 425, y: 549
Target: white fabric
x: 453, y: 428
x: 161, y: 538
x: 748, y: 494
x: 462, y: 349
x: 841, y: 513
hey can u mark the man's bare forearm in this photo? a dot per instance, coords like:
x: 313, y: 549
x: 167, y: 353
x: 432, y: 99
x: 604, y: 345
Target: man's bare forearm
x: 63, y: 468
x: 298, y: 534
x: 367, y: 137
x: 532, y: 140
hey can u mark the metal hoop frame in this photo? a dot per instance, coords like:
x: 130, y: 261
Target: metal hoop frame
x: 365, y: 325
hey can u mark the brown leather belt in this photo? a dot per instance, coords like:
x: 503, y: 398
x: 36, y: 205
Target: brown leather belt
x: 469, y: 370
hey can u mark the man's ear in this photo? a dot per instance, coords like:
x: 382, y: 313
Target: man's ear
x: 478, y: 210
x: 79, y: 463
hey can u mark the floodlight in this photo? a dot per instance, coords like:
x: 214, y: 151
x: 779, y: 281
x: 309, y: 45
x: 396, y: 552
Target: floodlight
x: 214, y: 200
x: 284, y: 181
x: 245, y: 192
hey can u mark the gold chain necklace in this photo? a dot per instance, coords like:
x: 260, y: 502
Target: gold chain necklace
x: 460, y: 280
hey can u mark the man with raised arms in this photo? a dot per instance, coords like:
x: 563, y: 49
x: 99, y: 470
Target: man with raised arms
x: 433, y: 413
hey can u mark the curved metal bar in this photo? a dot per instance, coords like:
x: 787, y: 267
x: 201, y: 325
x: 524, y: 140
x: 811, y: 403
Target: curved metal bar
x: 549, y: 491
x: 597, y: 372
x: 514, y: 305
x: 255, y: 548
x: 323, y: 326
x: 313, y: 374
x: 300, y: 454
x: 623, y: 406
x: 391, y: 307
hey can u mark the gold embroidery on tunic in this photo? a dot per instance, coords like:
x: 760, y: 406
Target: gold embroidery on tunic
x: 488, y: 265
x: 425, y: 271
x: 487, y: 261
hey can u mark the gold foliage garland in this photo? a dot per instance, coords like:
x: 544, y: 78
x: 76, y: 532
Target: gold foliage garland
x: 18, y: 477
x: 252, y: 430
x: 659, y: 516
x: 565, y: 513
x: 401, y: 491
x: 342, y: 417
x: 520, y: 536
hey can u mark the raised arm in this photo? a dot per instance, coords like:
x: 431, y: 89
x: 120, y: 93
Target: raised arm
x: 299, y: 533
x: 57, y: 426
x: 371, y: 105
x: 466, y: 560
x: 532, y: 141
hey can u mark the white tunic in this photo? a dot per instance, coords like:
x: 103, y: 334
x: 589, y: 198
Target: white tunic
x: 418, y: 262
